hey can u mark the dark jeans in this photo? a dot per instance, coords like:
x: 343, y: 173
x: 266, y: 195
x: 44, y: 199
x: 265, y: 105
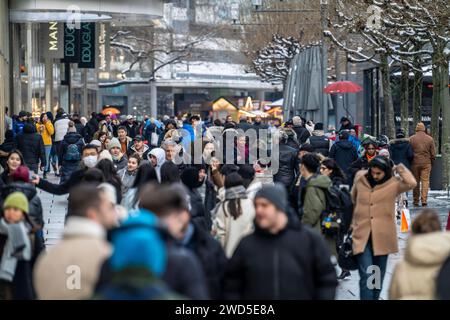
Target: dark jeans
x: 365, y: 261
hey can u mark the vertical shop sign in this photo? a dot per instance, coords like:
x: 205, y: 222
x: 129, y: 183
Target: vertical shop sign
x: 87, y: 46
x: 71, y: 44
x: 53, y: 40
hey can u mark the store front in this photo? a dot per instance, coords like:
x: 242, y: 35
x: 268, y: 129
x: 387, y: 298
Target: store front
x: 4, y: 64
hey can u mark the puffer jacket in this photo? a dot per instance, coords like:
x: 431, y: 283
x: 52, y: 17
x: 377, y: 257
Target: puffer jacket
x: 121, y: 163
x: 61, y: 125
x: 414, y: 278
x: 288, y: 166
x: 47, y: 133
x: 314, y: 200
x: 31, y: 145
x: 70, y: 138
x: 344, y: 153
x: 402, y: 152
x: 302, y: 134
x: 320, y: 142
x: 127, y: 177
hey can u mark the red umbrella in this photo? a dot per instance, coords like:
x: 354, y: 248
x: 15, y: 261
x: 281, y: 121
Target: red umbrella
x: 343, y: 87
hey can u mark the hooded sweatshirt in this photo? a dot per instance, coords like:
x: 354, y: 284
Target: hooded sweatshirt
x: 414, y: 278
x: 160, y: 155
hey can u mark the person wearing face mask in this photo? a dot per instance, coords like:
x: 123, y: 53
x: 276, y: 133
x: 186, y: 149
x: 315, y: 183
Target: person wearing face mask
x: 157, y: 157
x: 120, y: 160
x: 374, y: 226
x: 89, y: 159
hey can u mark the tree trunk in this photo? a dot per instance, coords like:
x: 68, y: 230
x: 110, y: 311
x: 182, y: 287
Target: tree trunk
x: 404, y: 98
x: 437, y: 99
x: 387, y: 97
x: 445, y: 98
x: 417, y: 97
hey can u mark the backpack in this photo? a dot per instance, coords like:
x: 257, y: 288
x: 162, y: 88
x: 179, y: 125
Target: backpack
x: 337, y: 216
x: 72, y: 153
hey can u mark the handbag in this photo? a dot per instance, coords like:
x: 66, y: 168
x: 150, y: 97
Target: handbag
x: 346, y: 259
x: 154, y: 139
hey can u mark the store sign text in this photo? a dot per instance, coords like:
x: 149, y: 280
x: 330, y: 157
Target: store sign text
x: 53, y: 36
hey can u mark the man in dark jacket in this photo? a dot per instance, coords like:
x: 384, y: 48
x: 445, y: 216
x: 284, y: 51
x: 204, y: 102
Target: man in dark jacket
x: 344, y: 153
x: 132, y: 127
x: 244, y: 124
x: 19, y: 124
x: 8, y: 145
x: 259, y: 125
x: 69, y: 157
x: 287, y: 163
x: 346, y: 124
x: 401, y: 150
x: 78, y: 125
x: 319, y: 141
x: 299, y: 128
x: 282, y: 259
x: 31, y: 145
x: 90, y: 129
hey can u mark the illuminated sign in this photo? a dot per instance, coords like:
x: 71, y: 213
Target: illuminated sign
x: 53, y: 40
x: 87, y: 46
x: 71, y: 45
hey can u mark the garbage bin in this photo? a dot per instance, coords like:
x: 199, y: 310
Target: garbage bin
x: 436, y: 177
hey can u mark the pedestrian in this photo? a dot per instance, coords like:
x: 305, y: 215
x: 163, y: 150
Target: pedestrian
x: 20, y: 182
x: 374, y: 228
x: 362, y: 163
x: 299, y: 128
x: 288, y: 163
x: 90, y: 128
x: 70, y: 153
x: 344, y: 153
x: 244, y: 124
x: 77, y: 122
x: 401, y: 150
x: 138, y: 146
x: 292, y: 139
x: 353, y: 138
x: 8, y: 120
x: 190, y: 177
x: 138, y: 261
x: 258, y: 125
x: 17, y: 247
x: 157, y: 157
x: 31, y: 145
x: 170, y: 173
x: 19, y: 123
x: 424, y: 154
x: 13, y: 161
x: 110, y: 176
x: 119, y: 158
x: 428, y: 247
x: 82, y: 249
x: 61, y: 126
x: 45, y: 128
x: 282, y: 259
x: 234, y: 215
x: 346, y: 124
x: 128, y: 174
x: 320, y: 143
x: 131, y: 126
x: 89, y: 158
x: 145, y: 174
x: 124, y: 140
x: 6, y: 147
x: 184, y: 273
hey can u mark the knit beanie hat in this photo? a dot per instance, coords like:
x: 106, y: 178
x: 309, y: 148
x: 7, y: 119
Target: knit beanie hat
x: 275, y: 194
x: 21, y: 174
x: 96, y: 143
x: 420, y: 127
x: 105, y: 155
x: 400, y: 134
x: 114, y: 143
x: 247, y: 172
x: 318, y: 126
x: 71, y: 128
x: 17, y: 200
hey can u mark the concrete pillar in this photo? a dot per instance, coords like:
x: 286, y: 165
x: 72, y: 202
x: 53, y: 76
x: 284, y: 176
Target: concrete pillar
x: 84, y: 107
x: 153, y: 99
x: 29, y: 66
x: 48, y: 84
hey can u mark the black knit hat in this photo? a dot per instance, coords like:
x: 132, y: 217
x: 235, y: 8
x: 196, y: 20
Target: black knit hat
x: 400, y: 134
x: 275, y: 194
x: 247, y: 172
x: 318, y: 126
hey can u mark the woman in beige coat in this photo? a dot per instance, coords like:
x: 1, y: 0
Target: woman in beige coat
x: 374, y: 224
x: 414, y: 278
x: 234, y: 216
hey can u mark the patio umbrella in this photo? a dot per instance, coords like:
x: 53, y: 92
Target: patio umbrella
x: 342, y: 87
x: 110, y: 110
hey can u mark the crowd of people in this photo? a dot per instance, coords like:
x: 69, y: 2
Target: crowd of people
x: 143, y: 225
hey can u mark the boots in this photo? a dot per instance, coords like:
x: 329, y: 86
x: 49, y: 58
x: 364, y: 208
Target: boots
x: 55, y: 169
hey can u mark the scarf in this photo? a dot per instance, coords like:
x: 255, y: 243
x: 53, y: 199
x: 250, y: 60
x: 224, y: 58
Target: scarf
x: 370, y: 158
x: 17, y: 247
x: 238, y: 192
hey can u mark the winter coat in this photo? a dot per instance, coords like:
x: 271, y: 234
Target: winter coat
x: 229, y: 231
x: 21, y: 287
x: 302, y: 134
x: 361, y: 163
x: 374, y: 211
x: 32, y: 147
x: 260, y: 126
x: 143, y: 154
x: 121, y: 163
x: 59, y: 189
x: 128, y: 200
x: 211, y: 257
x: 160, y: 156
x: 402, y: 152
x: 70, y: 138
x: 288, y: 166
x: 8, y: 145
x: 47, y: 133
x: 244, y: 125
x: 132, y: 130
x: 89, y: 130
x: 293, y: 264
x: 314, y: 200
x: 414, y: 278
x: 83, y: 245
x: 18, y: 127
x: 320, y: 143
x: 197, y: 211
x: 61, y: 126
x: 127, y: 178
x: 344, y: 153
x: 34, y: 202
x: 443, y: 281
x: 423, y: 148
